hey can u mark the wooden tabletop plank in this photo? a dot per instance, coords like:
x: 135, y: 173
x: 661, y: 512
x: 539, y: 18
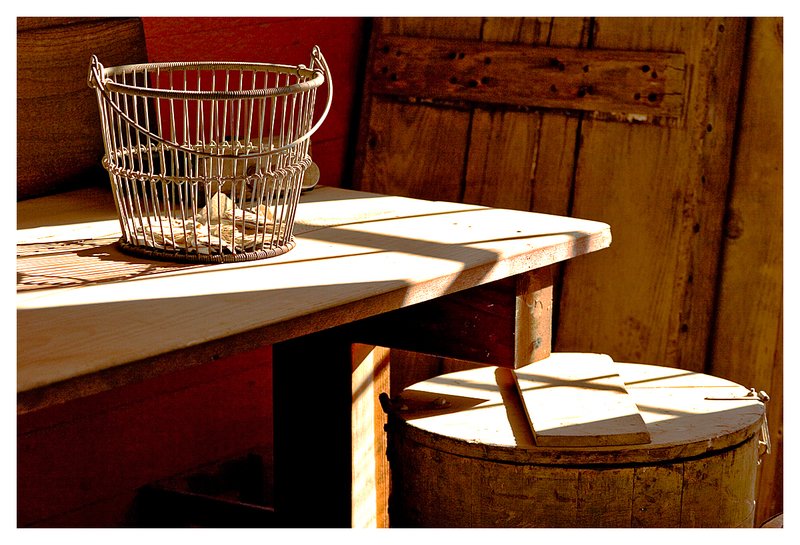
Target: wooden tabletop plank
x: 82, y: 306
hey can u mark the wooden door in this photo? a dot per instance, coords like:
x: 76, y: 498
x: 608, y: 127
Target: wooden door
x: 656, y: 126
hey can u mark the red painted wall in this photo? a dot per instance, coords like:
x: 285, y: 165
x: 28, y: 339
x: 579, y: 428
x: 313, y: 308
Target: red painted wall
x: 280, y: 41
x: 79, y: 464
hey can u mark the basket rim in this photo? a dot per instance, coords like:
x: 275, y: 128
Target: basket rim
x: 317, y: 75
x: 97, y: 80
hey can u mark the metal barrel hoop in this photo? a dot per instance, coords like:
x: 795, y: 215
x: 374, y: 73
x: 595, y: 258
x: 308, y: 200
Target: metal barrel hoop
x: 206, y: 159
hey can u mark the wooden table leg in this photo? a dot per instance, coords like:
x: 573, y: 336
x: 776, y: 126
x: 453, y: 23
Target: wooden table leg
x: 331, y: 468
x: 330, y: 447
x: 370, y: 465
x: 533, y: 320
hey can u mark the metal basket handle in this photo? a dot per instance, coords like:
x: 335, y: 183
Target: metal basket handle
x: 95, y: 80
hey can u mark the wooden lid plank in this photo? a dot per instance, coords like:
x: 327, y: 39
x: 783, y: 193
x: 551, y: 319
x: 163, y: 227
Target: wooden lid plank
x: 579, y: 401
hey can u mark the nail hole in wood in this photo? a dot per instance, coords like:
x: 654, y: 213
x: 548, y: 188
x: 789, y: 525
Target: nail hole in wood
x: 645, y: 68
x: 472, y: 83
x: 709, y: 128
x: 654, y: 74
x: 453, y: 80
x: 485, y: 80
x: 487, y: 60
x: 461, y: 55
x: 393, y: 76
x: 652, y: 97
x: 553, y: 89
x: 637, y: 96
x: 385, y: 49
x: 586, y: 68
x: 721, y: 28
x: 451, y: 55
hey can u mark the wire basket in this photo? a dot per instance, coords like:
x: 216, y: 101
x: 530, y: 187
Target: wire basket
x: 206, y: 159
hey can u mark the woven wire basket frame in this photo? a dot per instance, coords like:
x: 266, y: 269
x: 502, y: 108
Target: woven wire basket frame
x: 206, y: 159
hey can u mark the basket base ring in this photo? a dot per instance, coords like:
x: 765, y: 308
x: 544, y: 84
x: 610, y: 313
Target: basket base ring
x: 186, y: 257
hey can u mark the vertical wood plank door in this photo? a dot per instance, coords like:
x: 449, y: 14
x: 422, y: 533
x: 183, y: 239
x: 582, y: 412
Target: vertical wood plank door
x: 751, y: 277
x: 666, y: 178
x: 663, y: 190
x: 474, y: 155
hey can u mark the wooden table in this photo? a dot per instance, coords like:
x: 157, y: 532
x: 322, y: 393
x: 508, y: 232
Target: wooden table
x: 369, y: 272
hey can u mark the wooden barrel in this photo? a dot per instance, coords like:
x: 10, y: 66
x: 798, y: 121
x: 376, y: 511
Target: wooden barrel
x: 463, y: 455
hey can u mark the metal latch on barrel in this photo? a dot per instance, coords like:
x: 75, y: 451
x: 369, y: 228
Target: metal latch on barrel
x: 764, y: 442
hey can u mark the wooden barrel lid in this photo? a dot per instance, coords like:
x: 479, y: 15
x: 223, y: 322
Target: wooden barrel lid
x: 474, y: 413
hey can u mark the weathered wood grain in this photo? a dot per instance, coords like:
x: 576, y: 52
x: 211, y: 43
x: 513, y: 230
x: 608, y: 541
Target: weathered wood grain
x: 515, y: 314
x: 657, y: 496
x: 538, y: 174
x: 579, y: 402
x: 369, y: 466
x: 662, y: 184
x: 671, y: 401
x: 603, y: 498
x: 407, y: 150
x: 414, y: 151
x: 509, y: 156
x: 715, y: 495
x: 459, y: 462
x: 664, y: 188
x: 771, y: 474
x: 359, y: 255
x: 747, y: 336
x: 609, y: 81
x: 451, y: 326
x: 59, y: 145
x: 533, y: 321
x: 524, y: 160
x: 503, y: 151
x: 409, y: 367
